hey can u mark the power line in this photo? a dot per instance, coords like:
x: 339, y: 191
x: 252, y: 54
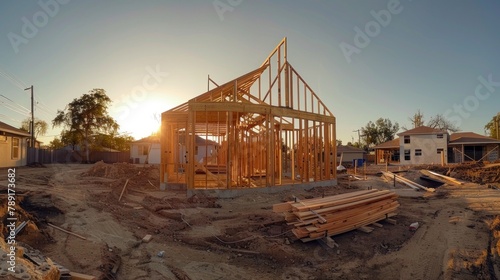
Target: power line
x: 10, y: 107
x: 16, y: 82
x: 9, y: 118
x: 13, y: 78
x: 19, y: 105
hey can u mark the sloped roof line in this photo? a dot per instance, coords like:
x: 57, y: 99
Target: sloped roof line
x: 148, y: 139
x: 241, y: 81
x: 10, y: 129
x: 422, y: 130
x: 394, y: 143
x: 471, y: 138
x: 349, y: 149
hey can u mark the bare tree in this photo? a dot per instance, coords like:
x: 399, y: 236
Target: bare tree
x: 437, y: 122
x: 417, y: 119
x: 440, y: 122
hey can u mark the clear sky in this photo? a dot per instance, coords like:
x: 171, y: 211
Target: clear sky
x: 364, y: 59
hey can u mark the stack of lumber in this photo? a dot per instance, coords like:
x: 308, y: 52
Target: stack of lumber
x: 320, y: 217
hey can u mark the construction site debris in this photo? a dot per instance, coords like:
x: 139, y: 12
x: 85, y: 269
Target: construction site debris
x: 321, y: 217
x: 66, y: 231
x: 123, y: 190
x: 147, y: 238
x: 475, y: 172
x: 406, y: 181
x: 414, y: 226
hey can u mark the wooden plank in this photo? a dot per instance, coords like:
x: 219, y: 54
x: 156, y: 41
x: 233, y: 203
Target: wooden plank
x: 314, y: 201
x: 365, y: 229
x: 282, y: 207
x: 391, y: 221
x: 123, y: 190
x: 328, y: 241
x: 339, y: 202
x: 343, y: 214
x: 378, y: 225
x: 352, y: 204
x: 66, y: 231
x: 80, y: 276
x: 454, y: 180
x: 407, y: 181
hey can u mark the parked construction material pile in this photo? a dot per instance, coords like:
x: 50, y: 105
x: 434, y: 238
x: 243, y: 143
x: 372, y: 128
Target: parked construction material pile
x: 321, y: 217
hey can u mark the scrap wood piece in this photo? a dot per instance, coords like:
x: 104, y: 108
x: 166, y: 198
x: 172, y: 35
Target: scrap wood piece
x: 365, y: 229
x: 66, y: 231
x: 80, y: 276
x: 123, y: 190
x: 391, y: 221
x: 328, y: 241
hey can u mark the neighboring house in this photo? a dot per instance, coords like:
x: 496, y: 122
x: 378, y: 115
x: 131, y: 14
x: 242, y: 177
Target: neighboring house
x: 146, y: 150
x: 425, y: 145
x: 13, y: 146
x: 387, y: 152
x: 349, y: 153
x: 470, y: 146
x: 205, y: 150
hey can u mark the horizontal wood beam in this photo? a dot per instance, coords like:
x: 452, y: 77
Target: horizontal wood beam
x: 258, y: 109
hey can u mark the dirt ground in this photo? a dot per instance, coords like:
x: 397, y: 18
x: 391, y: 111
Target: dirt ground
x: 241, y: 238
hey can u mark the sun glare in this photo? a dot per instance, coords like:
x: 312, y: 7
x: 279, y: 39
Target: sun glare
x: 140, y: 119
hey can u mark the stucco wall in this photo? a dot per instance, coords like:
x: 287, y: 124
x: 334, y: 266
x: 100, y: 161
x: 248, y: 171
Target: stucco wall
x: 428, y: 144
x: 6, y: 159
x: 154, y: 153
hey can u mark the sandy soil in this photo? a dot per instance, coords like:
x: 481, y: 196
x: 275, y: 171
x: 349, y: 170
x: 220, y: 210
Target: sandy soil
x: 241, y: 238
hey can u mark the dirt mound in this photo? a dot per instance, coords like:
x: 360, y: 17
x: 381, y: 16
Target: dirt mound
x: 471, y: 172
x: 142, y: 177
x: 114, y: 171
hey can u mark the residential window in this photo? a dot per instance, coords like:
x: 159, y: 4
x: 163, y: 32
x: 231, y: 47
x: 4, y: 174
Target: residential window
x: 407, y: 154
x: 418, y: 152
x: 15, y: 148
x: 407, y: 139
x: 440, y: 136
x: 143, y: 150
x: 439, y: 151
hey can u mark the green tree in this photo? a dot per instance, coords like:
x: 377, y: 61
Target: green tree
x: 493, y: 126
x: 56, y: 144
x: 380, y: 131
x: 71, y: 138
x: 87, y: 116
x: 112, y: 141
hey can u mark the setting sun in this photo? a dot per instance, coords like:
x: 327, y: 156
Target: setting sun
x: 140, y: 119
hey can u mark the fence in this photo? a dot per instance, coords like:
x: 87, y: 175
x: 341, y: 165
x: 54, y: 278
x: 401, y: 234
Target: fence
x: 47, y: 156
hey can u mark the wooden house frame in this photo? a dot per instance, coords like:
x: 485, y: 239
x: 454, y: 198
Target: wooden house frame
x: 270, y: 126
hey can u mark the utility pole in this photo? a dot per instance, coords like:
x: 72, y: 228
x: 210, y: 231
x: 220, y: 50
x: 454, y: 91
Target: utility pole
x: 497, y: 120
x: 32, y: 126
x: 359, y: 136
